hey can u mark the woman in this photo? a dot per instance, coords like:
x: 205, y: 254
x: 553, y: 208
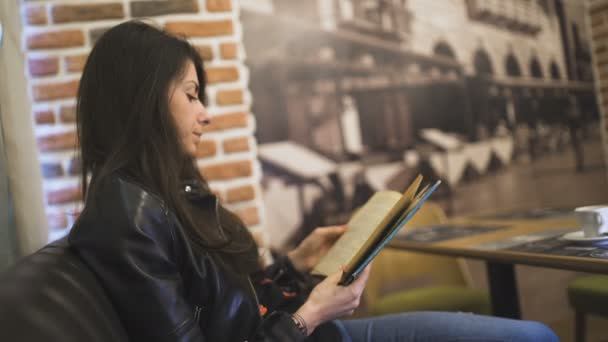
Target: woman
x: 175, y: 263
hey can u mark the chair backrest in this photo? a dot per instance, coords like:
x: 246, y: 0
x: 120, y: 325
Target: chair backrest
x: 52, y: 296
x: 395, y: 270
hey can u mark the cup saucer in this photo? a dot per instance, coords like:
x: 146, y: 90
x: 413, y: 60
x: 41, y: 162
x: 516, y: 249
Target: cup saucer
x: 579, y: 237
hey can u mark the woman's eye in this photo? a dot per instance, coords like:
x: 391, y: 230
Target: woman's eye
x: 192, y: 98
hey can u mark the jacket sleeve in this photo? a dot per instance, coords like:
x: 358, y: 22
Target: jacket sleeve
x: 275, y: 326
x: 128, y: 246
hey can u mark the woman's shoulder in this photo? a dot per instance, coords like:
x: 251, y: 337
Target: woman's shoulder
x: 117, y: 205
x: 130, y: 195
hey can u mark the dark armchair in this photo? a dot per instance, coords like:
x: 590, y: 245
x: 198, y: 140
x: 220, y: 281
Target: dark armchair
x: 52, y: 296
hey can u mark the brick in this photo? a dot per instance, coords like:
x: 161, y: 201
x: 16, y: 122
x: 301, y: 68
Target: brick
x: 75, y: 63
x: 250, y: 216
x: 56, y: 220
x: 201, y: 28
x: 218, y: 194
x: 597, y: 19
x: 94, y: 34
x: 259, y: 238
x: 598, y: 6
x: 240, y: 194
x: 603, y: 72
x: 67, y: 114
x: 206, y: 148
x: 236, y: 145
x: 43, y: 66
x: 88, y: 12
x: 51, y: 170
x: 65, y: 195
x: 54, y: 91
x: 602, y: 57
x: 601, y: 63
x: 227, y: 121
x: 43, y: 117
x: 205, y: 52
x: 227, y: 170
x: 57, y: 141
x: 75, y: 166
x: 55, y: 40
x: 36, y: 15
x: 151, y: 8
x: 229, y: 97
x: 73, y: 214
x: 222, y: 74
x: 219, y: 5
x: 229, y: 50
x: 605, y: 98
x: 599, y: 32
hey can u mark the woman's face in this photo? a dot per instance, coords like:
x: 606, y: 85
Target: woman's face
x: 186, y: 108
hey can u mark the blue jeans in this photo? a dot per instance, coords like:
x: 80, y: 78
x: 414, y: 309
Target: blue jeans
x: 443, y: 327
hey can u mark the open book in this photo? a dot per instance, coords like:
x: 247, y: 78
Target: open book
x: 371, y: 228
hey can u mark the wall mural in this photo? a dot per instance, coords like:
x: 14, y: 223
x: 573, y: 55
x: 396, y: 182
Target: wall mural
x: 354, y: 96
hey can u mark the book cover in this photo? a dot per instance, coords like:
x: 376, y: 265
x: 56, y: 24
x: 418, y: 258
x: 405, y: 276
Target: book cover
x: 371, y: 228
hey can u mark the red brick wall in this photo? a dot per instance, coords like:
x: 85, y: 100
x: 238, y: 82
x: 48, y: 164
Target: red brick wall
x: 597, y: 24
x: 57, y: 37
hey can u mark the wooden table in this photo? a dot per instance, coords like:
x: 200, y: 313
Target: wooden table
x: 500, y: 263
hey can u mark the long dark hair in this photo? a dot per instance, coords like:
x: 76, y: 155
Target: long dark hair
x: 124, y: 126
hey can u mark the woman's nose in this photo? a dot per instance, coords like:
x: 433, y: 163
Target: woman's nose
x: 203, y: 116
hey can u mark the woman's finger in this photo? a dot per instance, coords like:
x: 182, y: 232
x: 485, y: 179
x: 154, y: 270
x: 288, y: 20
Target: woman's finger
x: 333, y: 231
x: 334, y: 278
x: 361, y: 280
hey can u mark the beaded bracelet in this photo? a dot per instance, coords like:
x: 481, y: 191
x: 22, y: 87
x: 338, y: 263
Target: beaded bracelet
x: 300, y: 323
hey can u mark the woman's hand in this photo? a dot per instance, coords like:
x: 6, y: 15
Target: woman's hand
x: 315, y: 246
x: 329, y: 301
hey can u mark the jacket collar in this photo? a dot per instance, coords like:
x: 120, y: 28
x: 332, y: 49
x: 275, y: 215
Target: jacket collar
x: 194, y: 189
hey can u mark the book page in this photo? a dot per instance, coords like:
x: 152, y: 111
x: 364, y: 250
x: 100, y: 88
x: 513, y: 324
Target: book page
x: 387, y: 222
x: 397, y: 225
x: 360, y: 227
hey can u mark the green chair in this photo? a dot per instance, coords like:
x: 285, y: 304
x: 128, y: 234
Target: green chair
x: 403, y: 281
x: 588, y: 295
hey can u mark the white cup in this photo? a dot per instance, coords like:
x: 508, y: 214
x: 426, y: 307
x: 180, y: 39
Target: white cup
x: 593, y: 219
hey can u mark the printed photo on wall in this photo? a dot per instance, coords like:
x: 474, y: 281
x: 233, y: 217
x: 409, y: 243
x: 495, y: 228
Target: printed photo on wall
x: 495, y: 98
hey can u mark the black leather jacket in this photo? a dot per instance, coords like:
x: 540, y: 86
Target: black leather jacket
x: 162, y: 291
